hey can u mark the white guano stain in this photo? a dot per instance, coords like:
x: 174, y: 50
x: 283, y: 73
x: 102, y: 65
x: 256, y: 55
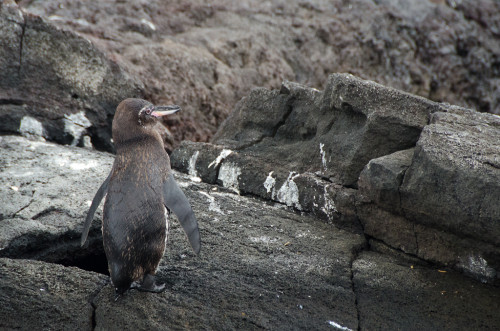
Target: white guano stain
x: 30, y: 127
x: 329, y: 206
x: 338, y: 326
x: 76, y: 125
x: 289, y: 192
x: 263, y: 239
x: 477, y: 265
x: 148, y: 23
x: 269, y: 184
x: 213, y: 205
x: 225, y: 153
x: 83, y: 166
x: 228, y: 175
x: 323, y: 155
x: 64, y: 162
x: 193, y: 174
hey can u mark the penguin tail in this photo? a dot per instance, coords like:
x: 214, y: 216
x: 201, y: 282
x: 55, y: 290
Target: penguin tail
x: 120, y: 278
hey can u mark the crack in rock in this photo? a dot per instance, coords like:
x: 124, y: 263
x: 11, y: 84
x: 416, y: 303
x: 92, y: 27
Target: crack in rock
x: 22, y: 208
x: 94, y: 305
x: 21, y: 42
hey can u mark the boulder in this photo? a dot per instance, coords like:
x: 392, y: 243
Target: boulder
x: 46, y: 190
x: 453, y: 181
x: 335, y: 132
x: 55, y: 84
x: 382, y: 177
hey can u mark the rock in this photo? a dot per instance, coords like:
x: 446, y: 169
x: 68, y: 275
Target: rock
x: 261, y: 265
x: 382, y: 177
x: 206, y: 57
x: 435, y: 203
x: 201, y: 160
x: 55, y: 84
x: 432, y: 200
x: 334, y: 133
x: 455, y: 174
x: 276, y: 139
x: 37, y: 295
x: 45, y: 190
x: 410, y: 292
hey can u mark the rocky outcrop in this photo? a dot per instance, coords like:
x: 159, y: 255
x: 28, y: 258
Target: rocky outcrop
x: 261, y: 265
x: 423, y: 177
x: 442, y: 197
x: 55, y: 84
x: 205, y: 57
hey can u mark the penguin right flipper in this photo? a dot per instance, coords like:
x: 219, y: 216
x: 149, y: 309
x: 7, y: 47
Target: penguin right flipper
x: 176, y: 201
x: 101, y: 192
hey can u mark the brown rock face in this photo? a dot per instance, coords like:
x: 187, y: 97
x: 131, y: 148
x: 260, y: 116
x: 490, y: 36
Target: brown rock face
x: 205, y: 57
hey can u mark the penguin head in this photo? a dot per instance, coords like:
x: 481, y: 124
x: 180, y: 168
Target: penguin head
x: 136, y: 117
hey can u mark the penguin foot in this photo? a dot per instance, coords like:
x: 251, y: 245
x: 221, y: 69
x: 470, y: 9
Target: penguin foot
x: 119, y: 293
x: 149, y: 285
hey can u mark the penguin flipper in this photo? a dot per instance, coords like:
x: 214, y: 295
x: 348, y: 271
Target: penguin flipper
x: 93, y: 207
x: 176, y: 201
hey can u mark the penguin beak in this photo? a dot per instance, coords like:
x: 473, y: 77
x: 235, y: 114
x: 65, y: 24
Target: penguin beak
x: 160, y: 111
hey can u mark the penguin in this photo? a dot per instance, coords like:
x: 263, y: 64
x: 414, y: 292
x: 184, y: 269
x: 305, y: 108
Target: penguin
x: 140, y: 192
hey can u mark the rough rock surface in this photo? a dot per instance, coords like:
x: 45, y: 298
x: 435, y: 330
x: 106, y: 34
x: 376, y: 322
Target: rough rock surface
x: 261, y: 265
x: 42, y: 296
x: 421, y: 176
x: 205, y: 57
x: 406, y: 291
x: 55, y: 84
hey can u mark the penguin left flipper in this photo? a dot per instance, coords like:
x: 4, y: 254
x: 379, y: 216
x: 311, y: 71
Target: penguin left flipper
x: 101, y: 192
x: 176, y: 201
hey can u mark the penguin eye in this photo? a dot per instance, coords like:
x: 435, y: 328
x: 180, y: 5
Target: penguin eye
x: 148, y: 111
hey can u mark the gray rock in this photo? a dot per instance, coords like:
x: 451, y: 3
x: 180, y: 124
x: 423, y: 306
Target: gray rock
x: 412, y: 293
x: 42, y: 296
x: 261, y: 265
x: 55, y: 84
x: 382, y: 177
x: 454, y: 179
x: 436, y: 201
x: 442, y: 210
x: 335, y: 132
x: 200, y: 160
x: 45, y: 191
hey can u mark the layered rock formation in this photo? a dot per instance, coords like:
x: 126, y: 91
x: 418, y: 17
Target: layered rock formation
x: 429, y: 173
